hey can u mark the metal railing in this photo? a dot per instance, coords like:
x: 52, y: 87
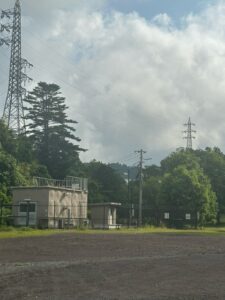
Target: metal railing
x: 74, y: 183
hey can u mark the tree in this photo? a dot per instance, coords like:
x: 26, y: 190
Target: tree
x: 7, y: 139
x: 212, y: 162
x: 17, y: 162
x: 105, y: 185
x: 185, y: 181
x: 191, y: 190
x: 152, y: 192
x: 10, y: 175
x: 19, y: 146
x: 124, y: 169
x: 152, y: 171
x: 180, y: 157
x: 51, y: 131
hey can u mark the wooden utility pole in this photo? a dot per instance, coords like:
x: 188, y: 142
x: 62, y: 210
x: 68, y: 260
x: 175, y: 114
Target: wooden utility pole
x: 141, y: 152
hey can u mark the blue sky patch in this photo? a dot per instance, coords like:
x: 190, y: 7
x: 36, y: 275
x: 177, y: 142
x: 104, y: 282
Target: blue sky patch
x: 176, y: 9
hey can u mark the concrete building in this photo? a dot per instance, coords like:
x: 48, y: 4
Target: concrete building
x: 51, y: 203
x: 103, y: 215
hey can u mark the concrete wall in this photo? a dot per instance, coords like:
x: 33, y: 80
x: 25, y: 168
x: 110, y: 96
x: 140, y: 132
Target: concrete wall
x: 56, y: 207
x: 36, y: 195
x: 67, y: 205
x: 99, y: 216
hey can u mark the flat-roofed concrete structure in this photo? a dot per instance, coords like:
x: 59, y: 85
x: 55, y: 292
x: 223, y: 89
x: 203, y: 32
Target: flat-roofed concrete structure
x: 51, y: 203
x: 103, y: 215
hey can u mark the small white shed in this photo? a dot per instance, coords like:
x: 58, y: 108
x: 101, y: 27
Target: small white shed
x: 103, y: 215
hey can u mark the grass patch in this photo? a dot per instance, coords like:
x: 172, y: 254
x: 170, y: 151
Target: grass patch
x: 28, y: 232
x: 11, y: 232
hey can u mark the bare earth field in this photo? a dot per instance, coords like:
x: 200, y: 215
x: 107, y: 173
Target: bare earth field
x: 113, y: 266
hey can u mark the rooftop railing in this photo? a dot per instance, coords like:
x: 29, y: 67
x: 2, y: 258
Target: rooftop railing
x: 74, y: 183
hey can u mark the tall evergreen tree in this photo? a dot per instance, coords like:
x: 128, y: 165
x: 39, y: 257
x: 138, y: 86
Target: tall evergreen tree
x: 51, y: 130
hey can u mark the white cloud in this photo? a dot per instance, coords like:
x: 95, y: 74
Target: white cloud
x: 162, y: 19
x: 135, y: 83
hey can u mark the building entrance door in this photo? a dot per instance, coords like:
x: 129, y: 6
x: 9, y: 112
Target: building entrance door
x: 27, y: 214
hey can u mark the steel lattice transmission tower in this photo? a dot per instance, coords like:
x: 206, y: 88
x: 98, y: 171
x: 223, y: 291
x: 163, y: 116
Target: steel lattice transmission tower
x: 13, y: 113
x: 189, y: 133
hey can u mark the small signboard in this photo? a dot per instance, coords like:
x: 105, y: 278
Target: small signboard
x: 166, y: 216
x: 187, y: 216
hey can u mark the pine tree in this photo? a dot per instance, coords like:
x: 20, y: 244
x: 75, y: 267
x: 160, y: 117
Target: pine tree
x: 51, y: 131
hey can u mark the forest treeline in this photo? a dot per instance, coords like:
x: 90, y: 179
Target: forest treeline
x: 193, y: 180
x: 49, y: 148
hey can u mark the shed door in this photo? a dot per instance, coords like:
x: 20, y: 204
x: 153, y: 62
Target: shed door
x: 27, y: 214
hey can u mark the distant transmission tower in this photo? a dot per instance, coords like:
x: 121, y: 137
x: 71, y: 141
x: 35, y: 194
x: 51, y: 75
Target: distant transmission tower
x: 13, y: 113
x: 189, y: 133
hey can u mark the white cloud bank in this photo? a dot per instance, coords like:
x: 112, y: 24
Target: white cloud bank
x: 136, y: 82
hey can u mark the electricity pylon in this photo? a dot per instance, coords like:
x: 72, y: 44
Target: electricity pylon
x: 13, y: 113
x: 189, y: 133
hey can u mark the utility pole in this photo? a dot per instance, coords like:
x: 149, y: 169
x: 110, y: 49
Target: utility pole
x: 13, y: 113
x: 189, y: 133
x: 128, y: 197
x: 141, y: 152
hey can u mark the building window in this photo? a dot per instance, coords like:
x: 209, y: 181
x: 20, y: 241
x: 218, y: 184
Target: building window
x: 24, y: 207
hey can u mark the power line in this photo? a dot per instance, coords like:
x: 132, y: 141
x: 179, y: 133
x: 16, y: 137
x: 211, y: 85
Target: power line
x: 130, y: 159
x: 45, y: 69
x: 54, y: 63
x: 59, y: 78
x: 53, y: 49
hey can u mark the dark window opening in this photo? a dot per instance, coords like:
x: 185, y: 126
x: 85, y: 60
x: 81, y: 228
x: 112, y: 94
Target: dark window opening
x: 24, y: 207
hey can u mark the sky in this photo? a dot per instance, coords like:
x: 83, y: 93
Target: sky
x: 132, y: 71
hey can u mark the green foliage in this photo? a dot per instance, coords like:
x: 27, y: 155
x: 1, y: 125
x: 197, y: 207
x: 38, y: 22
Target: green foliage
x: 17, y: 165
x: 181, y: 157
x: 152, y: 192
x: 212, y: 162
x: 189, y: 180
x: 123, y: 170
x: 152, y: 171
x: 17, y: 146
x: 191, y: 190
x: 105, y: 185
x: 24, y: 153
x: 50, y: 130
x: 7, y: 139
x: 10, y: 175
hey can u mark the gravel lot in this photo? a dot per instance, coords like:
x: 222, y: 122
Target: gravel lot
x: 113, y: 266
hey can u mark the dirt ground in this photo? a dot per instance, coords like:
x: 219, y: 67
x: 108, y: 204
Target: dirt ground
x: 112, y: 266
